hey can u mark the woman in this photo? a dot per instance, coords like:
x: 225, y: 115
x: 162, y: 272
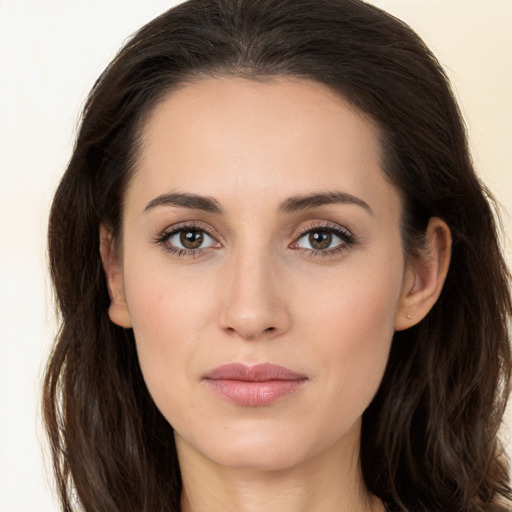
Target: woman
x: 279, y: 277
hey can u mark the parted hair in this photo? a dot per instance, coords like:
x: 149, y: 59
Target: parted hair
x: 430, y: 436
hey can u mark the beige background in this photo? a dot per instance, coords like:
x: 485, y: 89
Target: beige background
x: 50, y: 53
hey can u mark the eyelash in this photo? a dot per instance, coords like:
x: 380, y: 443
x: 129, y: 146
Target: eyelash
x: 348, y: 240
x: 183, y: 253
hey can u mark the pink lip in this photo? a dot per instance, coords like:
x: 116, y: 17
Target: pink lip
x: 253, y: 386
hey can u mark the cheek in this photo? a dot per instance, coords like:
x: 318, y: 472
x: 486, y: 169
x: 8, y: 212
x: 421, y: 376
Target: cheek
x: 352, y: 325
x: 165, y: 302
x: 167, y: 313
x: 357, y: 307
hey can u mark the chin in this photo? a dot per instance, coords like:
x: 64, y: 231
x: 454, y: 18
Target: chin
x: 263, y: 448
x: 260, y: 458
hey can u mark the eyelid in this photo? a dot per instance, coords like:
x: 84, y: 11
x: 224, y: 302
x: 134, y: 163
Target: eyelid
x: 172, y: 230
x: 326, y: 225
x: 180, y: 226
x: 347, y: 237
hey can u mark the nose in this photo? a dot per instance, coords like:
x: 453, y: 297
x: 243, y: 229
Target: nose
x: 255, y: 300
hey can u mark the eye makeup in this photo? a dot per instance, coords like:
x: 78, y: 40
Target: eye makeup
x: 189, y: 239
x: 192, y: 239
x: 323, y: 239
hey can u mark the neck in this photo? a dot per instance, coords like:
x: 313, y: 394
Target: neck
x: 327, y: 482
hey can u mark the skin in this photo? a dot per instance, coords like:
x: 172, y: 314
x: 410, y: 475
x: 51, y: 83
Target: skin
x: 257, y: 292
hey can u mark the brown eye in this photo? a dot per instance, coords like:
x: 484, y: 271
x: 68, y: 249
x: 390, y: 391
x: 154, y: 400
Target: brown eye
x: 191, y: 238
x: 320, y: 240
x: 188, y: 239
x: 324, y: 240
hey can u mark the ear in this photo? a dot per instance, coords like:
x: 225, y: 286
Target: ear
x: 118, y: 310
x: 424, y: 276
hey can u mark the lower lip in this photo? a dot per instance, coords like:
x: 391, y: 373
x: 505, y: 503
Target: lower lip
x: 254, y: 394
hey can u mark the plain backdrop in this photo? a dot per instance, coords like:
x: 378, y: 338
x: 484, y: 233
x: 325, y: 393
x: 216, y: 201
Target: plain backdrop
x: 50, y: 54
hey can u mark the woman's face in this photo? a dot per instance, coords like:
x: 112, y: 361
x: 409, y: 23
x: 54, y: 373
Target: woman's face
x: 262, y: 269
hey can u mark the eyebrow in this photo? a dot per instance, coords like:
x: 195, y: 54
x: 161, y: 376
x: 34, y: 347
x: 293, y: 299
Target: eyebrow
x: 290, y: 205
x: 315, y: 200
x: 185, y: 200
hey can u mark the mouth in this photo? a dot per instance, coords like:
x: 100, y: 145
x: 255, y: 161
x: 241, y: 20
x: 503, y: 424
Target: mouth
x: 253, y: 386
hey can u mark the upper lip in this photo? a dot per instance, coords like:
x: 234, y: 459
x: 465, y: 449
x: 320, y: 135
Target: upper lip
x: 256, y: 373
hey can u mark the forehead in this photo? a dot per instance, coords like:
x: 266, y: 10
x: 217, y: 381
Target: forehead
x: 282, y: 137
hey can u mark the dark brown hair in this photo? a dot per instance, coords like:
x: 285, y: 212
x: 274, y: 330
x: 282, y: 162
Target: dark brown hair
x: 429, y: 438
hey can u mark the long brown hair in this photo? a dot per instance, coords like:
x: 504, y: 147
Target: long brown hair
x: 429, y: 438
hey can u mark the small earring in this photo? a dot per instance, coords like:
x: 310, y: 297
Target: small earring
x: 408, y: 316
